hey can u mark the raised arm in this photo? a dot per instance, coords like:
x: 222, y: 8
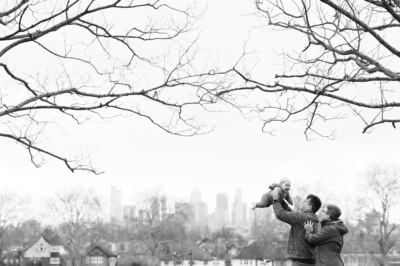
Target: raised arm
x: 284, y: 213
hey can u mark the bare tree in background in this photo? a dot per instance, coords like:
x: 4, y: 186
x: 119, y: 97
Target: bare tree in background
x: 155, y: 232
x: 84, y: 60
x: 12, y: 211
x: 345, y: 62
x: 76, y: 209
x: 380, y: 208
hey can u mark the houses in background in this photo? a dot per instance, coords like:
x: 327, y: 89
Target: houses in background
x: 189, y: 256
x: 368, y: 258
x: 273, y: 253
x: 46, y: 250
x: 394, y: 256
x: 259, y: 253
x: 99, y: 255
x: 263, y: 253
x: 42, y: 252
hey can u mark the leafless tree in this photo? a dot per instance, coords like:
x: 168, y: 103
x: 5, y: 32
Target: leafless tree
x: 12, y: 211
x: 345, y: 64
x: 86, y: 60
x: 379, y: 209
x: 75, y: 210
x: 156, y: 232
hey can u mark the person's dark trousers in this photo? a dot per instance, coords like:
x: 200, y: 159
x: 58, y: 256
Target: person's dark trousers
x: 296, y: 263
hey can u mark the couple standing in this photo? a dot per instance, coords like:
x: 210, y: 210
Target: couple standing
x: 309, y: 244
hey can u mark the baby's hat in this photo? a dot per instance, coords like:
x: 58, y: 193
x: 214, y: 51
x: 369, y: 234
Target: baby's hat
x: 283, y: 179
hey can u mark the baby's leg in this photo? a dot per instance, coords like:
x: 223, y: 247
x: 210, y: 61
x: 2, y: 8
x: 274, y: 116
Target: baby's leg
x: 258, y: 205
x: 266, y: 201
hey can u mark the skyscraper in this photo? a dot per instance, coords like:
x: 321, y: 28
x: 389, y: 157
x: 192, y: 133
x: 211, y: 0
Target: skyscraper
x: 115, y: 205
x: 239, y: 210
x: 202, y: 214
x: 195, y: 196
x: 222, y: 212
x: 199, y: 209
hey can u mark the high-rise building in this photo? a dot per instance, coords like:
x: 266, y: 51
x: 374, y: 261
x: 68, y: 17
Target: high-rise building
x: 239, y: 210
x: 195, y: 196
x: 199, y: 210
x: 202, y: 214
x: 222, y: 212
x: 129, y: 212
x: 238, y: 195
x: 115, y: 204
x: 222, y: 201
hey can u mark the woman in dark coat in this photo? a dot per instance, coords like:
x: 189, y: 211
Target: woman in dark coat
x: 330, y: 238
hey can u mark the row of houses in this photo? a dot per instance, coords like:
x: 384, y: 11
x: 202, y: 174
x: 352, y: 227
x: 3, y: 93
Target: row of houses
x: 262, y: 253
x: 48, y: 251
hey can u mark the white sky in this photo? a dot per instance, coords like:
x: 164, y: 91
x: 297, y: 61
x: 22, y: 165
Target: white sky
x: 137, y: 156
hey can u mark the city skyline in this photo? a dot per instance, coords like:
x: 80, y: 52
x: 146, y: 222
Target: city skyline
x: 223, y: 215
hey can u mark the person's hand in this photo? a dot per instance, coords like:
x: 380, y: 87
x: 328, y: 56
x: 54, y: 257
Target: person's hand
x: 308, y: 226
x: 275, y: 193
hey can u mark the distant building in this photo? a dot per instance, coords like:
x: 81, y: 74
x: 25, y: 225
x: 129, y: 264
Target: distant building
x: 115, y: 204
x: 266, y: 253
x: 359, y: 259
x: 371, y: 258
x: 202, y: 214
x: 99, y: 255
x: 13, y: 258
x: 394, y: 256
x: 189, y: 255
x: 222, y: 211
x: 239, y: 210
x: 129, y: 212
x: 199, y: 209
x: 45, y: 250
x: 195, y: 196
x: 262, y: 253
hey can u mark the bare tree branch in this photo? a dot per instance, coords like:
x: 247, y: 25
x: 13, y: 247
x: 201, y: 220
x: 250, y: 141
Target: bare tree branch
x: 99, y: 60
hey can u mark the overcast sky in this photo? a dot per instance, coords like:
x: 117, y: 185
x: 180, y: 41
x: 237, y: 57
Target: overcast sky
x: 138, y: 157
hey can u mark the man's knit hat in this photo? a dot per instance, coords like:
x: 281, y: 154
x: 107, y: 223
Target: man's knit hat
x: 284, y: 179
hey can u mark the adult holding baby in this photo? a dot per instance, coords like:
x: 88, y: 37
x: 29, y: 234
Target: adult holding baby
x: 300, y: 251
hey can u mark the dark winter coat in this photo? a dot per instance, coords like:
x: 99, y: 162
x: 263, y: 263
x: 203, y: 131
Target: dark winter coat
x: 298, y: 247
x: 329, y: 241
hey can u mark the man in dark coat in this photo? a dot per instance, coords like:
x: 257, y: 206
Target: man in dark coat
x: 330, y: 239
x: 300, y: 251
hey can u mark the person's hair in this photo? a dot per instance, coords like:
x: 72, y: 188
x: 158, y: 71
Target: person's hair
x: 315, y: 202
x: 334, y: 212
x: 283, y: 180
